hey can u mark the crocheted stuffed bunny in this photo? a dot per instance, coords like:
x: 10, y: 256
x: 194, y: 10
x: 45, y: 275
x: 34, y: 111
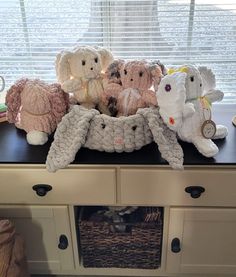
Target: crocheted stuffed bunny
x: 128, y: 86
x: 171, y: 96
x: 79, y: 71
x: 36, y: 107
x: 195, y: 124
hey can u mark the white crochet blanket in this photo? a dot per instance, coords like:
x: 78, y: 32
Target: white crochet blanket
x: 88, y: 128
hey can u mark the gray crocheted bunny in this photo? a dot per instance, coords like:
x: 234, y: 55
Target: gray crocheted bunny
x: 88, y: 128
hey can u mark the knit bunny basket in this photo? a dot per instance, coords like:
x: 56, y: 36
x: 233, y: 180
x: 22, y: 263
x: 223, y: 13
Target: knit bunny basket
x: 88, y: 128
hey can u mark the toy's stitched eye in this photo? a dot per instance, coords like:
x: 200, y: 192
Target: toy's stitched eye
x: 83, y: 62
x: 168, y: 87
x: 125, y: 71
x: 201, y: 85
x: 134, y: 127
x: 140, y: 74
x: 96, y: 60
x: 103, y: 126
x: 192, y: 78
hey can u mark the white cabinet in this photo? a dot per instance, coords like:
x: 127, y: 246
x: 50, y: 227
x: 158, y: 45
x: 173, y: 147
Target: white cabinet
x: 207, y: 240
x: 41, y: 228
x: 204, y: 226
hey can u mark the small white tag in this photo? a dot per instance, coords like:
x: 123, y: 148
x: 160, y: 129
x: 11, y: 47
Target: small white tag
x: 207, y: 113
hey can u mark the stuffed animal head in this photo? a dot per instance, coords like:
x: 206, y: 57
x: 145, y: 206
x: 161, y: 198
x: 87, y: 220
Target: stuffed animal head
x: 82, y: 62
x: 135, y: 74
x: 193, y: 83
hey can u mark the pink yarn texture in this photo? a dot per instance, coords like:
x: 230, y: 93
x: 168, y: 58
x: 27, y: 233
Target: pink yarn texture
x: 130, y: 84
x: 35, y: 105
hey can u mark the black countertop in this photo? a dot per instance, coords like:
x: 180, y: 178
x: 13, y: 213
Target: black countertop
x: 14, y: 149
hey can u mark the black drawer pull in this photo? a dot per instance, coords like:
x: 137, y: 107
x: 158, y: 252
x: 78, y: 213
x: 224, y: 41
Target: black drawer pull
x: 42, y: 189
x: 175, y: 245
x: 195, y: 191
x: 63, y: 242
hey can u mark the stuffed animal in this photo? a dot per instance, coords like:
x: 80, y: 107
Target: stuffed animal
x: 172, y: 100
x: 128, y: 86
x: 36, y: 107
x: 234, y: 120
x: 88, y: 128
x: 195, y: 125
x: 80, y: 71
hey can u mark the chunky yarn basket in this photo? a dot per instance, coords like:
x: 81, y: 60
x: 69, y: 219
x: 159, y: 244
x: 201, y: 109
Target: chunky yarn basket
x: 88, y: 128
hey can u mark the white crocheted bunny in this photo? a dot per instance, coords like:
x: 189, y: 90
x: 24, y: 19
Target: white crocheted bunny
x: 80, y: 70
x: 195, y: 127
x: 171, y: 97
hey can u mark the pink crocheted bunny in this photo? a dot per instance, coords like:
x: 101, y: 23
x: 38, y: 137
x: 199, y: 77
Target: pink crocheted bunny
x: 127, y: 86
x: 36, y: 107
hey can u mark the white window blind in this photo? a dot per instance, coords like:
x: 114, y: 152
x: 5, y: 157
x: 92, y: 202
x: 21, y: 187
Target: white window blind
x: 202, y: 32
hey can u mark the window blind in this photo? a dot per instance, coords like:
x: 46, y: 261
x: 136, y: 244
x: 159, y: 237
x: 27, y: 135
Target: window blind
x: 202, y: 32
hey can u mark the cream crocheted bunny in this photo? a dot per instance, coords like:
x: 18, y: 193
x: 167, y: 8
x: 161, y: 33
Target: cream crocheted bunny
x: 193, y: 119
x: 128, y: 86
x: 79, y: 71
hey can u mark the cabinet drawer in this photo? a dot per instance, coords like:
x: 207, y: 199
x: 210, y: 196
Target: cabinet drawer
x: 69, y: 186
x: 167, y: 187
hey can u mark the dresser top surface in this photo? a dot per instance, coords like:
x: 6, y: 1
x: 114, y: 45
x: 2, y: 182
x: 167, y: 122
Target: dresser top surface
x: 14, y: 149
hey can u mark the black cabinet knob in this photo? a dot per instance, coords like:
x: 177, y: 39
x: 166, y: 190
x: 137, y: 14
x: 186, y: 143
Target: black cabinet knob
x: 42, y: 189
x: 175, y: 245
x: 63, y: 242
x: 195, y: 191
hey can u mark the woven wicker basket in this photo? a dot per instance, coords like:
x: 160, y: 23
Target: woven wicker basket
x: 138, y: 247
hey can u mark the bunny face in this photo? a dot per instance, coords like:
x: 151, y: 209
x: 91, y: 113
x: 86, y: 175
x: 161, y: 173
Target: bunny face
x: 193, y: 83
x: 82, y: 62
x: 136, y: 75
x: 86, y: 63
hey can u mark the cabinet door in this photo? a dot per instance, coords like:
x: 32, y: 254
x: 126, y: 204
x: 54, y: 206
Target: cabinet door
x: 207, y: 240
x: 41, y: 228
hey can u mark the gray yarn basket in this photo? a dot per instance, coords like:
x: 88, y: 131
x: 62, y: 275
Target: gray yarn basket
x: 88, y: 128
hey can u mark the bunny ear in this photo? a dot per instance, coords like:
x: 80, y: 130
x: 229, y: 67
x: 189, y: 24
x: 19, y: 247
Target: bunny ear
x: 69, y: 137
x: 62, y: 63
x: 59, y: 101
x: 106, y: 57
x: 113, y: 70
x: 156, y: 72
x: 163, y: 68
x: 208, y: 78
x: 13, y: 100
x: 166, y: 139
